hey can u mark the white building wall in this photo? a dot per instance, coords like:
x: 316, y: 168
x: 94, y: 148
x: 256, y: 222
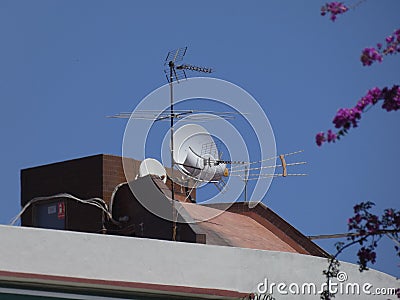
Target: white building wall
x: 103, y: 257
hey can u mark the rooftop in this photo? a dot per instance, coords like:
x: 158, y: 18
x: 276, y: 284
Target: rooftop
x: 236, y: 230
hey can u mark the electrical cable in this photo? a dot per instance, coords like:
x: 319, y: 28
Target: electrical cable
x: 92, y: 201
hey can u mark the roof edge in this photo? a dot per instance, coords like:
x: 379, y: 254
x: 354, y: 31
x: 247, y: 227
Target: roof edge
x: 279, y: 226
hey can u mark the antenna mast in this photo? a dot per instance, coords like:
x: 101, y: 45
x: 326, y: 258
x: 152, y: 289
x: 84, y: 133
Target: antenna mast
x: 246, y: 181
x: 172, y: 74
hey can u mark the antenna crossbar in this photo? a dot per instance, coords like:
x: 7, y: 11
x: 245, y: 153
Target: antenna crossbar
x: 175, y: 55
x: 269, y: 167
x: 266, y: 176
x: 194, y: 68
x: 269, y: 158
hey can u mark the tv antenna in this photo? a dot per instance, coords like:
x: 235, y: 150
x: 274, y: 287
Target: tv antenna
x: 200, y: 159
x: 203, y: 167
x: 172, y: 72
x: 249, y: 171
x: 175, y: 72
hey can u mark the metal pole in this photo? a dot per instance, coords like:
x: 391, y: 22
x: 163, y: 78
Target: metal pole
x: 171, y: 79
x: 246, y: 176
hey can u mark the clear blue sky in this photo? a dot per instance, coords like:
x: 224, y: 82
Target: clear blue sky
x: 65, y: 65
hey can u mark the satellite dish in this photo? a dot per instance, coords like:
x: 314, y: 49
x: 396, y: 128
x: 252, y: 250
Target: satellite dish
x: 196, y: 154
x: 151, y: 166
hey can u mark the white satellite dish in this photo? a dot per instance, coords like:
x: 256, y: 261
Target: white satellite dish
x: 196, y: 154
x: 151, y: 166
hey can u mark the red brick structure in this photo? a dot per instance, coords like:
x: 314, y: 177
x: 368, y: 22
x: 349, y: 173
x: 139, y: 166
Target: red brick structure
x: 225, y: 224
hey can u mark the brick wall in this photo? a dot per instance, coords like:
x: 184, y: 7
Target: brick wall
x: 87, y: 177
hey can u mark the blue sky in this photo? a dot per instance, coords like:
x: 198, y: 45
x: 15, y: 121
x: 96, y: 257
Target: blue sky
x: 65, y: 65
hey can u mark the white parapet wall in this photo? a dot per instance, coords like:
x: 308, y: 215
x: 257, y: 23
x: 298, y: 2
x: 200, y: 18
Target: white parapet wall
x: 64, y: 257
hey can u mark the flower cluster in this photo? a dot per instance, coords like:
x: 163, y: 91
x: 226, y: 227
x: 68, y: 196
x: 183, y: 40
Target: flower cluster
x: 391, y: 218
x: 371, y: 55
x: 334, y: 8
x: 365, y: 255
x: 365, y: 229
x: 346, y: 118
x: 366, y: 225
x: 391, y: 98
x: 330, y: 137
x: 364, y: 222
